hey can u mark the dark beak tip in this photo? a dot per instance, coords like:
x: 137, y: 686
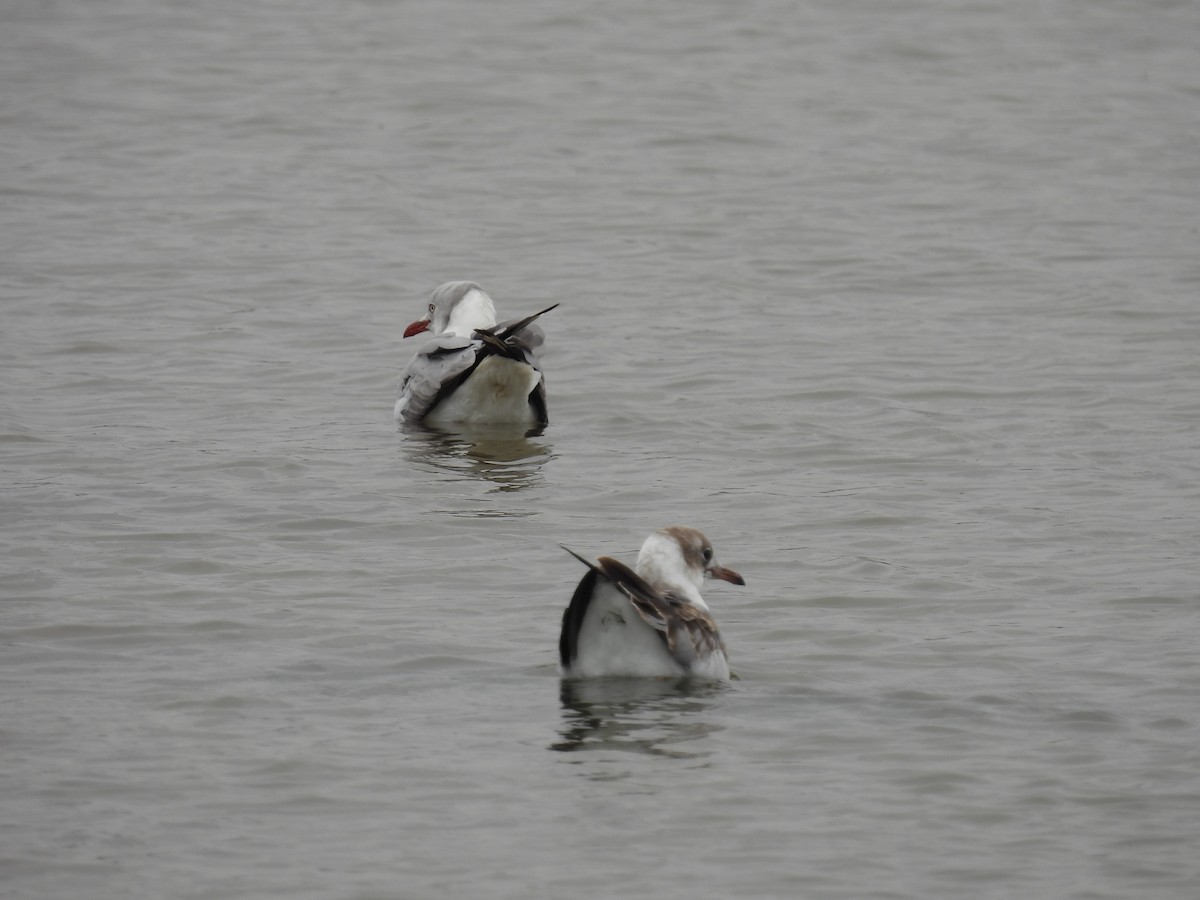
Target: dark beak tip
x: 728, y: 575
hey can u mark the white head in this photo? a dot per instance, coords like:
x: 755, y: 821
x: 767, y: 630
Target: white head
x: 457, y: 307
x: 680, y: 559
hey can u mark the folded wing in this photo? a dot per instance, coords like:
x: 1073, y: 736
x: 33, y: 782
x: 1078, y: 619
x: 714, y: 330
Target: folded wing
x: 688, y: 632
x: 445, y: 362
x: 439, y: 365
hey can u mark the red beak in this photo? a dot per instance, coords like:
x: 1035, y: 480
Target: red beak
x: 416, y: 327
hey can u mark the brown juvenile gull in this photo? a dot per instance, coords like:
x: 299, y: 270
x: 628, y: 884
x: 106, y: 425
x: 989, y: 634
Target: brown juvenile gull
x: 649, y: 622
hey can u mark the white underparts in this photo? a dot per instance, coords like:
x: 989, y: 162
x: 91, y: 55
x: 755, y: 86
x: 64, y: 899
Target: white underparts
x: 613, y: 640
x: 497, y: 392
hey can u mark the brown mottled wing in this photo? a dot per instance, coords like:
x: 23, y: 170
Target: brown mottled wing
x: 692, y: 632
x: 688, y: 631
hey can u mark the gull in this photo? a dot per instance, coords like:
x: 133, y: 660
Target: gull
x: 473, y: 371
x: 652, y: 622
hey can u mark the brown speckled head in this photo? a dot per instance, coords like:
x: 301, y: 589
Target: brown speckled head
x: 698, y: 553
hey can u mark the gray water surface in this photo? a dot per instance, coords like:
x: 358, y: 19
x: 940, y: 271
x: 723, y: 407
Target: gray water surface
x: 898, y: 302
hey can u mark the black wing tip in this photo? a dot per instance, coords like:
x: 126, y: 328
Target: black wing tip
x: 573, y: 615
x: 518, y: 326
x: 583, y: 559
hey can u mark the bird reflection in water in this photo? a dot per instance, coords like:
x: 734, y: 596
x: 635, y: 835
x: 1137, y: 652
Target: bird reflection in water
x: 652, y: 716
x: 508, y: 457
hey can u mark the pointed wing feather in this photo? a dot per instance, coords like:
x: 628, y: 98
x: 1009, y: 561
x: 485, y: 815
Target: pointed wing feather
x: 518, y: 339
x: 508, y: 329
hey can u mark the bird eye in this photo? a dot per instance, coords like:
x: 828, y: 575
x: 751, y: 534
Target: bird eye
x: 708, y: 554
x: 431, y: 307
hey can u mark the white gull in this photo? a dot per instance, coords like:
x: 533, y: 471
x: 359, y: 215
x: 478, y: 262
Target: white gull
x: 473, y: 371
x: 652, y: 622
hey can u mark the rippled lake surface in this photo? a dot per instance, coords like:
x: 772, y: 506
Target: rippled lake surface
x: 899, y: 302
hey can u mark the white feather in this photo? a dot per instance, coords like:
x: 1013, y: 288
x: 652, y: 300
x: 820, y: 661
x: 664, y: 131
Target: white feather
x: 475, y: 310
x: 661, y: 562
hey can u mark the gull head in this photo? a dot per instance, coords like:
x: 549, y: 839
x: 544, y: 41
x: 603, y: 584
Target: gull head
x: 457, y: 307
x: 679, y: 559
